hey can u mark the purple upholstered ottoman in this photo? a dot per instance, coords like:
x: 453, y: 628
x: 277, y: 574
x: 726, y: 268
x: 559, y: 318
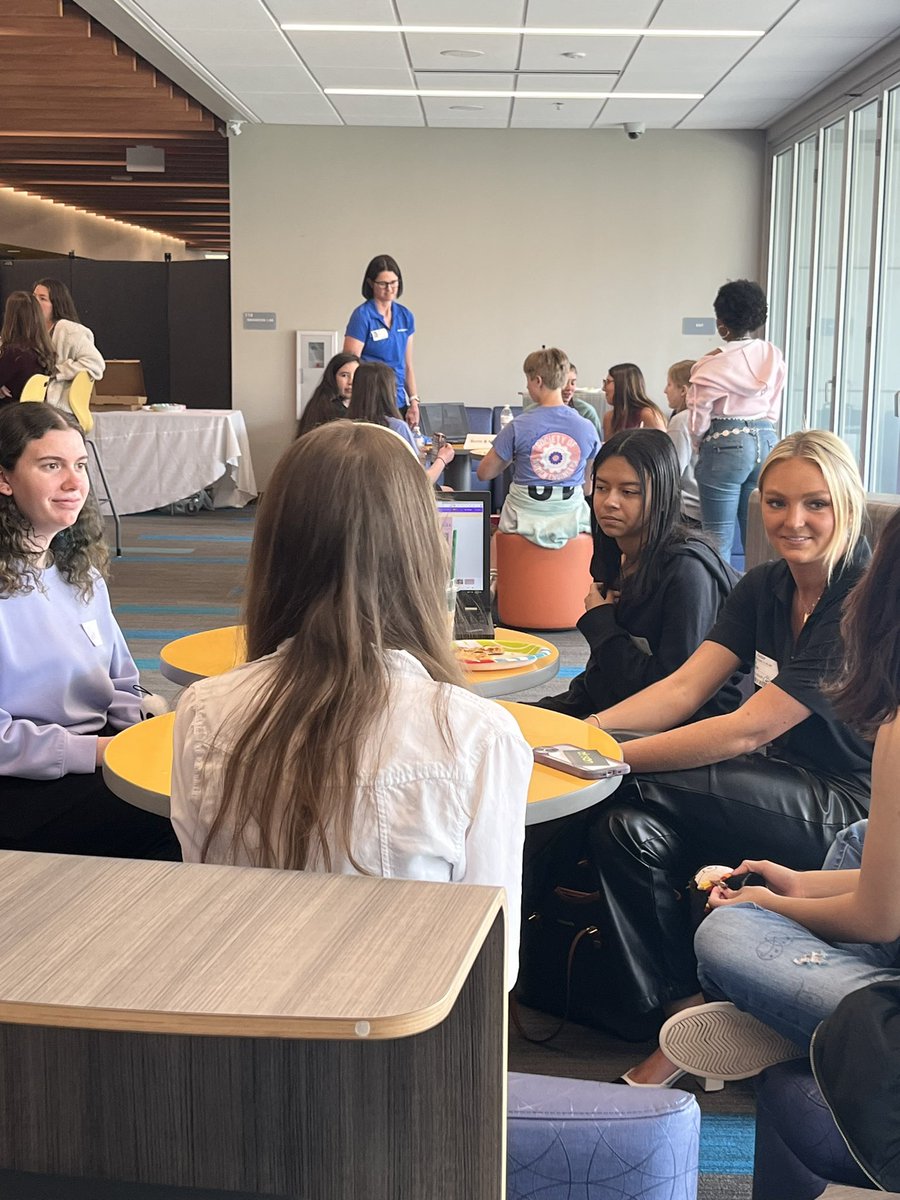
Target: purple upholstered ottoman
x: 570, y: 1139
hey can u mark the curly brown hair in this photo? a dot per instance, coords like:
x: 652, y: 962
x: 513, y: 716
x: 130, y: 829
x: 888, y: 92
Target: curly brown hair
x: 79, y: 552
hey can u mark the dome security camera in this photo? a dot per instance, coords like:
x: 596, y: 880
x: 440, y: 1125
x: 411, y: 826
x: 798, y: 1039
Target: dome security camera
x: 634, y: 129
x: 235, y: 127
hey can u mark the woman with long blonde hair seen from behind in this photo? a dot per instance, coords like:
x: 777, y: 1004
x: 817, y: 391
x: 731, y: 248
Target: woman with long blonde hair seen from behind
x: 347, y: 742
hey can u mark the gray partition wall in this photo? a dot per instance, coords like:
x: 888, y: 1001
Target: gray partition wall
x: 174, y: 317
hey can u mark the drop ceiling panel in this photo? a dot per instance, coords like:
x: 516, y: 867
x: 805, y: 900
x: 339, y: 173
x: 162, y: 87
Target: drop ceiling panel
x: 721, y: 14
x: 656, y: 114
x: 499, y: 53
x: 378, y: 110
x: 630, y: 14
x: 279, y: 109
x: 565, y: 83
x: 545, y: 114
x: 489, y: 114
x: 325, y: 12
x: 256, y: 78
x: 874, y: 19
x: 226, y: 47
x: 365, y: 77
x: 384, y: 50
x: 451, y: 80
x: 601, y: 54
x: 461, y: 12
x: 693, y: 66
x: 175, y: 15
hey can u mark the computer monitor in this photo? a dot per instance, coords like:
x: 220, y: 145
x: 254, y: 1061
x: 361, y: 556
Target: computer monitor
x: 448, y: 419
x: 468, y: 514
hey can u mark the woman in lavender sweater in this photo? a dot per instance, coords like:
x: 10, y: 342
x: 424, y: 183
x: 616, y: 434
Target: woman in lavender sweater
x: 67, y: 680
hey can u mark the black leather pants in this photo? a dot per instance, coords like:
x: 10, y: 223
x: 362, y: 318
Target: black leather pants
x: 654, y: 832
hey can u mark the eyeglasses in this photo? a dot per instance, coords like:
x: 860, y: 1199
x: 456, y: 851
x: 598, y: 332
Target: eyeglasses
x: 608, y: 379
x: 388, y: 284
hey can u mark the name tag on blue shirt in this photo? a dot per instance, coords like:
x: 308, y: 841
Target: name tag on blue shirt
x: 378, y: 335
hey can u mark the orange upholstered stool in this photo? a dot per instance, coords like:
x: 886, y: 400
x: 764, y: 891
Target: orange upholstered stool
x: 539, y: 588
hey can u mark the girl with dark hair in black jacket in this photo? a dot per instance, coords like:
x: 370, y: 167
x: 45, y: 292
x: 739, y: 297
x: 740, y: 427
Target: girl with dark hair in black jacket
x: 657, y: 588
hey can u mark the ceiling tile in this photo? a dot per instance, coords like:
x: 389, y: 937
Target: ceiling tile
x: 656, y: 114
x: 378, y: 110
x: 492, y: 114
x: 325, y: 12
x: 500, y: 53
x: 384, y: 50
x: 452, y: 80
x: 221, y: 47
x: 721, y: 14
x: 838, y: 18
x: 282, y: 109
x: 261, y: 78
x: 600, y: 54
x: 365, y: 77
x: 175, y: 15
x: 549, y: 114
x: 461, y: 12
x: 693, y: 66
x: 613, y: 14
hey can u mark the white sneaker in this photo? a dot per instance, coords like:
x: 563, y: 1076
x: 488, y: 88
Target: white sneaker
x: 719, y: 1041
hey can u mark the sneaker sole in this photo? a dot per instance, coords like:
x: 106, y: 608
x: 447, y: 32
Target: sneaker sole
x: 720, y: 1041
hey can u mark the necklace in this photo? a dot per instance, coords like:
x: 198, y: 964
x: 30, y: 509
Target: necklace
x: 806, y: 613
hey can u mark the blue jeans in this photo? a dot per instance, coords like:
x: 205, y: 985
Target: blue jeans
x: 726, y: 472
x: 777, y: 970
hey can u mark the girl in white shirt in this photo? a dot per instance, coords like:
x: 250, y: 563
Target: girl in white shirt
x: 72, y: 341
x: 347, y: 742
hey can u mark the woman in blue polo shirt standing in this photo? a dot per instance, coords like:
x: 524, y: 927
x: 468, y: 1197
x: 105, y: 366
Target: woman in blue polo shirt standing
x: 381, y: 330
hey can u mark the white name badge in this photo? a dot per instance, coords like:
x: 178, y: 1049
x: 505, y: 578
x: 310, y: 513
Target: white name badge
x: 378, y: 335
x: 92, y: 629
x: 764, y: 669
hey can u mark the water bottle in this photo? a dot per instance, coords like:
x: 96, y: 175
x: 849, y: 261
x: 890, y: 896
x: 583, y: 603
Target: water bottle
x: 419, y: 440
x: 505, y: 416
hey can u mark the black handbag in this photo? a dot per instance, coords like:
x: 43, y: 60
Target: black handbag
x: 563, y: 968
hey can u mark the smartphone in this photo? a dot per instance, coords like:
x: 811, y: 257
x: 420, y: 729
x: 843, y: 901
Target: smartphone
x: 734, y: 883
x: 586, y: 764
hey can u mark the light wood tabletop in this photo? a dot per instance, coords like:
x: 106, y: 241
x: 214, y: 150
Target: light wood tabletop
x: 215, y: 651
x: 114, y: 944
x: 137, y: 765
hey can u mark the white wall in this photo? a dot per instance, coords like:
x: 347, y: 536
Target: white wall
x: 43, y: 225
x: 507, y: 240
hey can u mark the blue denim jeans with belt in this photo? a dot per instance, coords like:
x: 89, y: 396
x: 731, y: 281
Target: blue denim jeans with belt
x: 777, y: 970
x: 728, y: 463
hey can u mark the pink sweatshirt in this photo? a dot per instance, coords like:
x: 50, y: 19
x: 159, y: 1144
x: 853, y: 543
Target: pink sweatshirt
x: 743, y: 379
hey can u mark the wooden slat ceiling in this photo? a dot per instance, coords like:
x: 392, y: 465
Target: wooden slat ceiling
x: 74, y: 98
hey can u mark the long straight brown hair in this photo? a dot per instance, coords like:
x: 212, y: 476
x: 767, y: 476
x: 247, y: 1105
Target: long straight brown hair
x: 24, y: 328
x: 348, y: 561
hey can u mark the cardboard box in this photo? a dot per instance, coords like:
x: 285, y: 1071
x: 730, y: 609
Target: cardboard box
x: 122, y: 387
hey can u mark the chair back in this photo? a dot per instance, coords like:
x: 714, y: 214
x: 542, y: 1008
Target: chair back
x: 80, y: 391
x: 35, y: 390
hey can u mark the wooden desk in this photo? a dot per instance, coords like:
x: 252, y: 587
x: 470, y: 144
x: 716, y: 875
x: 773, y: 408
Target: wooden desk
x: 215, y: 651
x: 272, y: 1032
x: 137, y: 765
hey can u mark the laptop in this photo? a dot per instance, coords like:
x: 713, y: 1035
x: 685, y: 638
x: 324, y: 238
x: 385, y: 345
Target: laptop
x: 468, y: 514
x: 447, y: 419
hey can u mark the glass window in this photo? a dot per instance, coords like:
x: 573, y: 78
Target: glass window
x: 884, y: 460
x: 856, y: 318
x: 797, y: 342
x: 780, y: 243
x: 828, y: 259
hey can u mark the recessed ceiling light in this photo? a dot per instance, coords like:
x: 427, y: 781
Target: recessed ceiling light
x: 509, y: 95
x: 462, y: 53
x: 517, y: 30
x: 573, y: 54
x: 467, y: 107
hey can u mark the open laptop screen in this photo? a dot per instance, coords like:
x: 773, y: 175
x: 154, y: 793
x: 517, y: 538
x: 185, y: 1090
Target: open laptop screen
x: 469, y: 515
x: 448, y: 419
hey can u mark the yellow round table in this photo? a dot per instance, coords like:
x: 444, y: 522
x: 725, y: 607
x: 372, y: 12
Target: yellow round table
x: 137, y: 765
x: 199, y: 655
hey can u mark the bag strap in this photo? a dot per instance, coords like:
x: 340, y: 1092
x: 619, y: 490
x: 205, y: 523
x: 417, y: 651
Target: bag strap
x: 516, y: 1015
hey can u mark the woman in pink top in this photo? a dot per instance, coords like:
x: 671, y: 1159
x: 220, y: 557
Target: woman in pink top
x: 734, y: 400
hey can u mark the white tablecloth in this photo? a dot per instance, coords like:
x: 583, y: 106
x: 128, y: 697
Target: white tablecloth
x: 156, y: 458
